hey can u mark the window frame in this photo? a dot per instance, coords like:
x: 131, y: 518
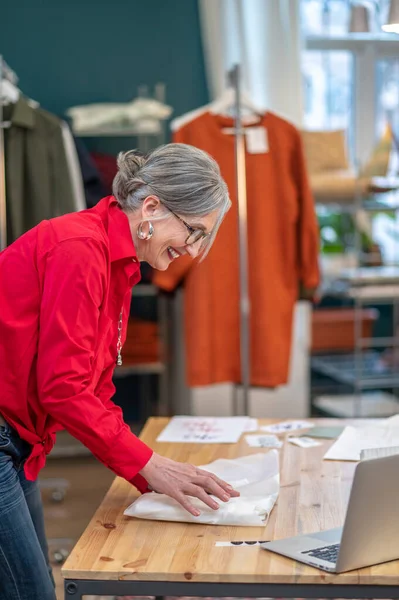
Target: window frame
x: 367, y: 50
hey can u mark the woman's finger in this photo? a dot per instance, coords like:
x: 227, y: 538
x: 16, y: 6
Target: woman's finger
x: 198, y: 492
x: 223, y: 484
x: 212, y: 487
x: 186, y: 504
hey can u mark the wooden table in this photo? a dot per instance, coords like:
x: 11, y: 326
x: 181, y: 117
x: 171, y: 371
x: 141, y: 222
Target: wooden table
x: 125, y: 556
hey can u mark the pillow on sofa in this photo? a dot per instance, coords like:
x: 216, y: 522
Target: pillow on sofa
x: 325, y: 150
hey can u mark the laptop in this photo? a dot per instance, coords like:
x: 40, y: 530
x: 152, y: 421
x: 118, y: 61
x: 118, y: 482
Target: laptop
x: 371, y: 529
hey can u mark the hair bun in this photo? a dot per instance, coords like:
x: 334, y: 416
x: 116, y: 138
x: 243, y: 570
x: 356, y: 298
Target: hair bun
x: 130, y: 162
x: 128, y: 180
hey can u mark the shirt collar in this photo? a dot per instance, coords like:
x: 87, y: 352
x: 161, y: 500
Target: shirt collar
x: 119, y: 233
x: 23, y: 115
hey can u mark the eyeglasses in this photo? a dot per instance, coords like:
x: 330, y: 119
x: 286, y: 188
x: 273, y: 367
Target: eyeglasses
x: 194, y: 235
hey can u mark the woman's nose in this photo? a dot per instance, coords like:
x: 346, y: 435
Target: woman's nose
x: 194, y: 249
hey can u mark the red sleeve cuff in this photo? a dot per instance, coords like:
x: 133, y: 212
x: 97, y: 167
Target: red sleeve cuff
x: 130, y: 456
x: 140, y: 483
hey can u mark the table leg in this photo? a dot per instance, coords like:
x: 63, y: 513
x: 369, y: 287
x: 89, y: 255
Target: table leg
x: 72, y: 591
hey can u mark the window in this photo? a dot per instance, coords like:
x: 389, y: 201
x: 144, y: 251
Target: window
x: 387, y: 78
x: 328, y: 78
x: 324, y: 18
x: 332, y: 17
x: 351, y: 80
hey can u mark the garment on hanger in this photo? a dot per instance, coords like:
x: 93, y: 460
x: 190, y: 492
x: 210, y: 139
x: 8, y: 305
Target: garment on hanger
x: 282, y: 253
x: 75, y: 171
x: 94, y: 186
x: 107, y: 167
x: 38, y: 181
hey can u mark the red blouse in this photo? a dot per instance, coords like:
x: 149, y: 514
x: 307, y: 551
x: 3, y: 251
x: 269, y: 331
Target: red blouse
x: 62, y: 288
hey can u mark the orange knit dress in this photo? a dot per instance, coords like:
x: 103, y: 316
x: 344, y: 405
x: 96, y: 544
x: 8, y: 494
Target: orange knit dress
x: 282, y: 254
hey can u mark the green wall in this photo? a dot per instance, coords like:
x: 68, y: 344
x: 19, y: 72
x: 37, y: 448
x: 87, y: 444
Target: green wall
x: 80, y: 51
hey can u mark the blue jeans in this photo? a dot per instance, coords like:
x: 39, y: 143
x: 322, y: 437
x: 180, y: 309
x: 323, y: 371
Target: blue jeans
x: 25, y: 573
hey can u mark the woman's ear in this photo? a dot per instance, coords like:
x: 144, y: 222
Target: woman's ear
x: 151, y: 207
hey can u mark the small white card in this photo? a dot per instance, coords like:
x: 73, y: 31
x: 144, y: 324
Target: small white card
x: 257, y: 140
x: 263, y: 441
x: 252, y: 425
x: 303, y: 442
x: 287, y: 426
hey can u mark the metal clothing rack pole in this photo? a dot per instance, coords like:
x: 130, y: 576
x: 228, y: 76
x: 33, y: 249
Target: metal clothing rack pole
x: 241, y: 408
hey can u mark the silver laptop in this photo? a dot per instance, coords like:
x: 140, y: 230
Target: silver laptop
x: 371, y: 530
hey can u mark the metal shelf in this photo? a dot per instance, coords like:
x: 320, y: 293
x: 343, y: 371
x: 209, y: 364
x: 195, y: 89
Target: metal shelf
x: 144, y: 289
x: 387, y: 202
x: 365, y: 294
x: 154, y: 368
x: 378, y: 342
x: 342, y: 368
x: 116, y: 132
x: 375, y: 404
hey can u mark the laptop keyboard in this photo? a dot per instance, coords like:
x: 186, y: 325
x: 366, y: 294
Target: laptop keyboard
x: 328, y: 553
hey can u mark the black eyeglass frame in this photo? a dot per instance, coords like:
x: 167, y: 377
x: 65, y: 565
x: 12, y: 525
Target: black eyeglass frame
x: 195, y: 234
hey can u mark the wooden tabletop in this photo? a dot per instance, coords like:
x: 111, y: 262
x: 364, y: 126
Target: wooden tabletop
x: 313, y: 497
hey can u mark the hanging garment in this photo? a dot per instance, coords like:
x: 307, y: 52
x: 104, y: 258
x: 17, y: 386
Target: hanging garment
x: 75, y: 172
x: 94, y: 186
x: 38, y: 183
x: 107, y: 167
x: 282, y: 251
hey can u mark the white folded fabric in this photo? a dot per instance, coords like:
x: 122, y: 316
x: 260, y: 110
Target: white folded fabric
x: 111, y: 114
x: 256, y: 477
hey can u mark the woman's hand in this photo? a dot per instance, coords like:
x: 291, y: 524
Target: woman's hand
x: 180, y: 480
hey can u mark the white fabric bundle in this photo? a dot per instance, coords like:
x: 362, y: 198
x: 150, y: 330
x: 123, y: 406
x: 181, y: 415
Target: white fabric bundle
x: 90, y: 117
x: 257, y: 479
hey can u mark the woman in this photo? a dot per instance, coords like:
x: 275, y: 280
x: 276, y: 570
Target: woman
x: 65, y: 291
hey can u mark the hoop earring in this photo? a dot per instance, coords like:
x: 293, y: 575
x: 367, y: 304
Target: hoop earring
x: 142, y: 234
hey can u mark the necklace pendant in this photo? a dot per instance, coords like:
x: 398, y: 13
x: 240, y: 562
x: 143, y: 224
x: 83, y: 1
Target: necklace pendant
x: 119, y: 342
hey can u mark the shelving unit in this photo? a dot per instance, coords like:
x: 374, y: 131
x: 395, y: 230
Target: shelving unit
x: 342, y: 368
x: 363, y: 371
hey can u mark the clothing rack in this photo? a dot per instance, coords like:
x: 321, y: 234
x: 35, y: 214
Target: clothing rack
x: 5, y: 74
x: 241, y: 405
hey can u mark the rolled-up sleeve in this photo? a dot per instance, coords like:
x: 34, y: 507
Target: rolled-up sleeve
x: 72, y: 297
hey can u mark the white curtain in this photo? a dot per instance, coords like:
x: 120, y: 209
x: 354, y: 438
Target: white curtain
x: 264, y: 37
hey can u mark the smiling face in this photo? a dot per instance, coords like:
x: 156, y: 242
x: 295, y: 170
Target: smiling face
x: 169, y: 240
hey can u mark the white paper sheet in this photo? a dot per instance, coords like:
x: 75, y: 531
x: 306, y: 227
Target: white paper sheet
x: 286, y: 426
x: 257, y: 479
x: 372, y: 453
x: 353, y: 440
x: 204, y: 430
x: 252, y: 425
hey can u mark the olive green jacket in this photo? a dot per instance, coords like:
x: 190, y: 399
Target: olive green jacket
x: 38, y: 182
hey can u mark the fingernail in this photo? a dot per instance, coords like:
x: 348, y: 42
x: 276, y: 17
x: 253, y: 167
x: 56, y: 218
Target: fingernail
x: 197, y: 513
x: 229, y: 486
x: 225, y: 497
